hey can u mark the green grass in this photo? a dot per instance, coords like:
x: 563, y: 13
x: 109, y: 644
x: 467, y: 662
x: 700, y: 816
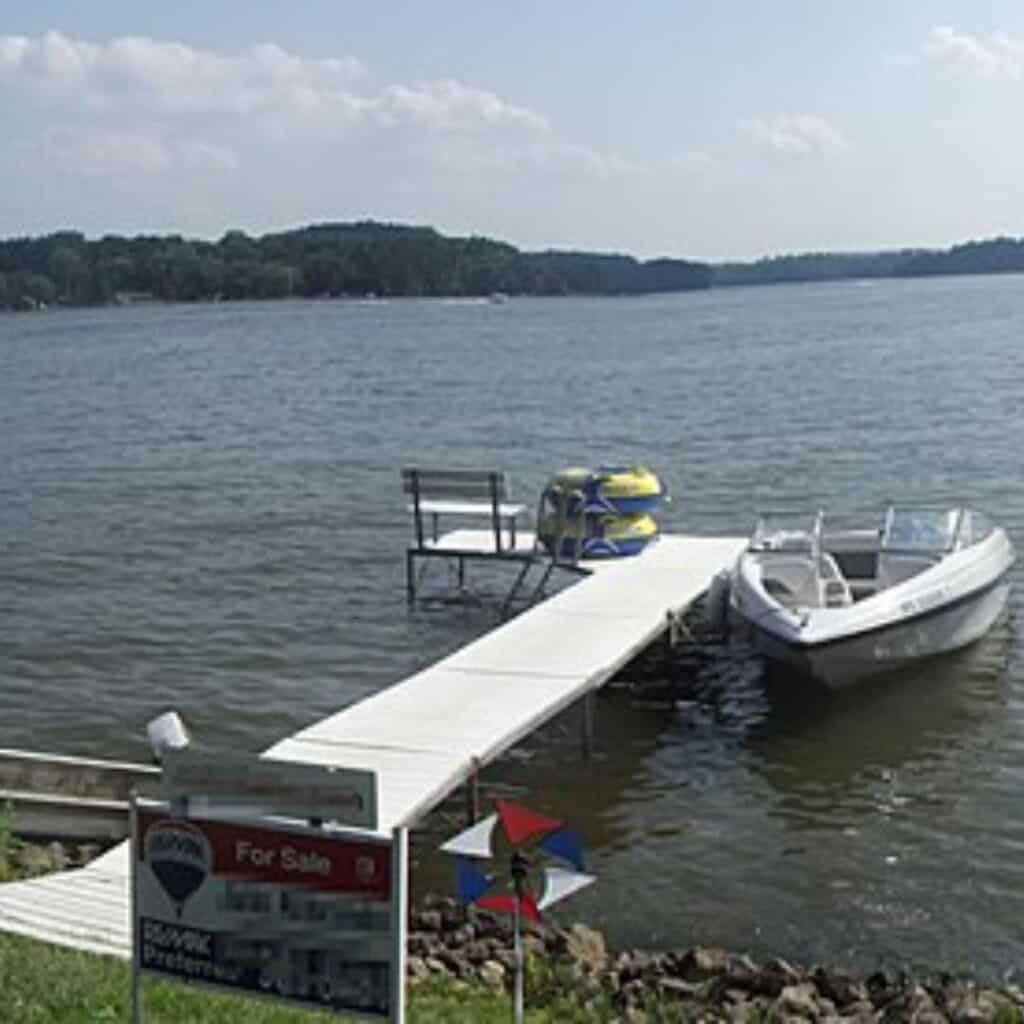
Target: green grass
x: 41, y: 984
x: 9, y: 844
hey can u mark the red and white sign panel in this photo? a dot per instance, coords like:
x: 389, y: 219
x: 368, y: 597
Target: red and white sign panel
x: 301, y: 915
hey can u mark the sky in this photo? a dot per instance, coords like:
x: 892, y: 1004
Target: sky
x: 706, y: 130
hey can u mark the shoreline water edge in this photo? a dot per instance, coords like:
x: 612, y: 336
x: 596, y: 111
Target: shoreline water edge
x: 450, y: 944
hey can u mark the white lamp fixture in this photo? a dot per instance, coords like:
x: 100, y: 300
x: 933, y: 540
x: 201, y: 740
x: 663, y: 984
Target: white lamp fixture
x: 167, y: 732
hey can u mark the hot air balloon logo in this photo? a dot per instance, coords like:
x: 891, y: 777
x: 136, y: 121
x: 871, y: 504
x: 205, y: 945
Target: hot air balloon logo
x: 179, y: 855
x: 531, y: 886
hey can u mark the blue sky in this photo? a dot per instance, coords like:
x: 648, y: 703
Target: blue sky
x: 709, y: 130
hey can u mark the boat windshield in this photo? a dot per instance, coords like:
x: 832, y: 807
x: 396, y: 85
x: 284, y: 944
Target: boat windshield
x: 924, y: 531
x: 787, y: 531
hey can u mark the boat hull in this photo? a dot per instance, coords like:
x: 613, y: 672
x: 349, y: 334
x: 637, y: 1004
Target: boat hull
x: 841, y: 663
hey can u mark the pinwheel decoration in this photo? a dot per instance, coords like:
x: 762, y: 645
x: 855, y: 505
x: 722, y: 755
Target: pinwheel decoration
x: 545, y: 865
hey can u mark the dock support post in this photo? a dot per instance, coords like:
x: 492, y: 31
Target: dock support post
x: 473, y: 794
x: 588, y: 724
x: 677, y: 629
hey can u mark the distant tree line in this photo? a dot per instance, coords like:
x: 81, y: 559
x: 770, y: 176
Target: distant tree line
x: 996, y: 256
x: 321, y: 260
x: 386, y: 259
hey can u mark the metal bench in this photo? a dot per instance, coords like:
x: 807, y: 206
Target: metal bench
x: 481, y: 494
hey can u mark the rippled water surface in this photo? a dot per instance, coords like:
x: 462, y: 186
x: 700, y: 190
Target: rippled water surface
x: 200, y: 508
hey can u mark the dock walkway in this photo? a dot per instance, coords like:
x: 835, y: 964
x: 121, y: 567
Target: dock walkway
x: 428, y: 734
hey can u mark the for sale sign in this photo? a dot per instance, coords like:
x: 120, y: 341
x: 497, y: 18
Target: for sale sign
x: 302, y: 915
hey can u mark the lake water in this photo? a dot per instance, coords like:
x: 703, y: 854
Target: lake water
x: 200, y: 508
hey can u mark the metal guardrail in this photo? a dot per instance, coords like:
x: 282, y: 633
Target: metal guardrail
x: 60, y: 797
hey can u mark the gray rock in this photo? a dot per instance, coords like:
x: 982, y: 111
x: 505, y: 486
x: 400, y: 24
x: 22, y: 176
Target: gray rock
x: 492, y: 974
x: 587, y: 947
x: 476, y: 953
x: 1015, y: 994
x: 677, y: 987
x: 429, y: 921
x: 882, y: 988
x: 507, y: 959
x: 416, y: 968
x: 632, y: 993
x: 839, y: 986
x: 859, y: 1012
x: 700, y: 963
x: 798, y: 1001
x: 784, y: 971
x: 435, y: 966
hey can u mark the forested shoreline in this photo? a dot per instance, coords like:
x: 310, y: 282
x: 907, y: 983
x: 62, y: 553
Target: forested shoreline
x: 370, y: 258
x: 327, y: 260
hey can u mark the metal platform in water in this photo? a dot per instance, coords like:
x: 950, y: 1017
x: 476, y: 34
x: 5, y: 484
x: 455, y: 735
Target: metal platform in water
x: 428, y: 734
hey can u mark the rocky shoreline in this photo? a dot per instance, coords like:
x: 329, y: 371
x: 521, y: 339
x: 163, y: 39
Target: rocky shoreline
x: 452, y: 945
x: 22, y: 859
x: 700, y: 984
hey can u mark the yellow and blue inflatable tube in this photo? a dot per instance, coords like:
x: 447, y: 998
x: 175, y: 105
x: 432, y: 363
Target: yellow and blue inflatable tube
x: 603, y: 536
x: 608, y: 490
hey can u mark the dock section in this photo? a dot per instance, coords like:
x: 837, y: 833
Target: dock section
x: 427, y: 735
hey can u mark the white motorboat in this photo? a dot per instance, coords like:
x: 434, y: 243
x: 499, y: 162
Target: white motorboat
x: 844, y: 604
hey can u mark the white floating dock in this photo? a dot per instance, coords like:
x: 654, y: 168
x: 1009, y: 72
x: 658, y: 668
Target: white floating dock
x: 428, y: 734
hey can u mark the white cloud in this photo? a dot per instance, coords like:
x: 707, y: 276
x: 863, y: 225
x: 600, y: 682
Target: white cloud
x: 552, y: 158
x: 233, y: 108
x: 449, y: 105
x: 102, y: 154
x: 173, y: 77
x: 997, y: 55
x: 797, y: 135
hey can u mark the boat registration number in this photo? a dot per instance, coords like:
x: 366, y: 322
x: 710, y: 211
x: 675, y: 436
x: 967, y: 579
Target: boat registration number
x: 924, y: 602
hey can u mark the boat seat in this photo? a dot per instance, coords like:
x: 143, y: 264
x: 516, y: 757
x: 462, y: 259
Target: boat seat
x: 790, y: 579
x: 835, y: 589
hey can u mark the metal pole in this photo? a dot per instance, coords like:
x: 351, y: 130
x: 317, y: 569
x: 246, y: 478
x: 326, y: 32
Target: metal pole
x: 518, y: 871
x: 399, y: 919
x: 133, y: 857
x: 517, y: 999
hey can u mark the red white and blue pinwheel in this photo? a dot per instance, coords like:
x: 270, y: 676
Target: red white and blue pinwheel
x: 532, y: 837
